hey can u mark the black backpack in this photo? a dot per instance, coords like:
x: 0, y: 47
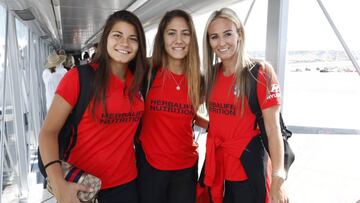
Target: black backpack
x: 68, y: 133
x: 289, y: 155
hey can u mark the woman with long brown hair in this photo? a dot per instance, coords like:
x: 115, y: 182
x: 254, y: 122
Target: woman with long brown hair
x: 104, y: 144
x: 167, y: 154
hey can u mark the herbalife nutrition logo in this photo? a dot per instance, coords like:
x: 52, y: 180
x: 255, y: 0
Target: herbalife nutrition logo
x: 111, y: 118
x: 169, y: 106
x: 222, y: 108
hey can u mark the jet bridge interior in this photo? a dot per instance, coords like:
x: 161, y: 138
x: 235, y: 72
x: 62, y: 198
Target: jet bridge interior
x: 31, y: 29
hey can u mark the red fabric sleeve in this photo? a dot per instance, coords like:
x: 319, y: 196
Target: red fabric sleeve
x: 267, y: 97
x: 69, y: 87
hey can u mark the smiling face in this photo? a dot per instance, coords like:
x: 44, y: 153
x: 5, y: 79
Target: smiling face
x: 122, y: 43
x: 177, y: 39
x: 223, y: 39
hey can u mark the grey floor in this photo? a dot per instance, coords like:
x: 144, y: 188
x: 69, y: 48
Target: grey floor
x: 326, y: 170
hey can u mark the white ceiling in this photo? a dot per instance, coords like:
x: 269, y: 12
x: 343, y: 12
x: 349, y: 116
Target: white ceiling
x: 81, y: 21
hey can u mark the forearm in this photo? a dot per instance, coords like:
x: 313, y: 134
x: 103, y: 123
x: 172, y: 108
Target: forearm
x: 276, y: 149
x: 49, y: 150
x: 201, y: 121
x: 63, y: 191
x: 273, y: 131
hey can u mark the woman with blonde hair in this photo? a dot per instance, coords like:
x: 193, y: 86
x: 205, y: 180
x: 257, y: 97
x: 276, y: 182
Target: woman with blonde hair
x: 69, y: 62
x: 167, y: 154
x: 227, y: 78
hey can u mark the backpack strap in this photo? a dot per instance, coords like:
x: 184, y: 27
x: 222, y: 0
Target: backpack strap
x: 153, y: 74
x: 255, y: 109
x: 86, y: 78
x: 68, y: 133
x: 254, y: 104
x: 146, y: 84
x: 253, y: 98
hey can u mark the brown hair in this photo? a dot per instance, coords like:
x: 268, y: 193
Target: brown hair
x: 52, y: 69
x: 192, y: 60
x: 136, y: 65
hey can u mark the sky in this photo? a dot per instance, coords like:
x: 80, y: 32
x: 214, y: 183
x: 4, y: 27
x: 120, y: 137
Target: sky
x: 308, y: 28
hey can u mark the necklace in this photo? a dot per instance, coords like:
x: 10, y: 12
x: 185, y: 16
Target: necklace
x: 177, y: 83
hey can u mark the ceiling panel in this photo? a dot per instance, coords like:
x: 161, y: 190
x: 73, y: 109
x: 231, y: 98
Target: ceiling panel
x: 105, y: 4
x: 81, y: 20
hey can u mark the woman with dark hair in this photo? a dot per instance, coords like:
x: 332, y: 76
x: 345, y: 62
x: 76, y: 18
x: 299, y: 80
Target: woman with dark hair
x: 104, y: 145
x: 167, y: 154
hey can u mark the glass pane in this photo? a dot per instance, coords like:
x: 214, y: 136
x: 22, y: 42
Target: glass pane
x: 8, y: 174
x: 321, y: 101
x: 23, y: 45
x: 2, y: 51
x: 255, y: 27
x: 320, y: 79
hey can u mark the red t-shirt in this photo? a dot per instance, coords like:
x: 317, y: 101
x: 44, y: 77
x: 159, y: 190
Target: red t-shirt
x: 166, y: 135
x: 226, y: 121
x: 104, y: 148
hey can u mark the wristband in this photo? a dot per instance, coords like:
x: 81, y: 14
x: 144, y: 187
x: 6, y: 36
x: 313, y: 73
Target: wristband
x: 51, y: 163
x: 280, y: 174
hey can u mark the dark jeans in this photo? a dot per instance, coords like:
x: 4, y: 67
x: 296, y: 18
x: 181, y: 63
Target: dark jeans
x: 162, y: 186
x: 239, y: 192
x: 126, y: 193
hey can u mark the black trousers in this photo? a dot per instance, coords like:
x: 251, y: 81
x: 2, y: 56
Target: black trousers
x: 162, y: 186
x: 239, y: 192
x: 126, y: 193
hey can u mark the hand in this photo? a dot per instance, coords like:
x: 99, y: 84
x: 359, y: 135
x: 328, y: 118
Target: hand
x: 277, y: 192
x: 66, y: 192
